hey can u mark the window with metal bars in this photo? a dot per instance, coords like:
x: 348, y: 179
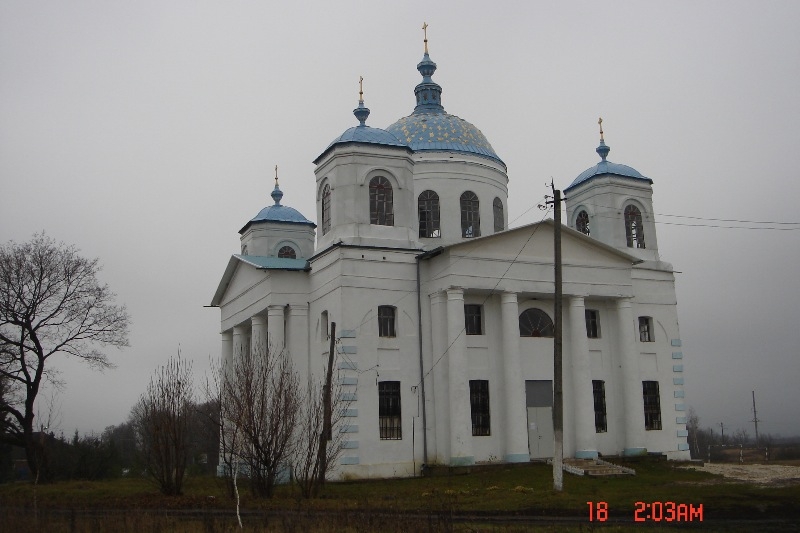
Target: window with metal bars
x: 599, y: 393
x: 381, y: 208
x: 479, y: 405
x: 428, y: 211
x: 326, y: 209
x: 582, y: 223
x: 652, y: 405
x: 634, y: 231
x: 473, y: 319
x: 470, y: 215
x: 389, y: 412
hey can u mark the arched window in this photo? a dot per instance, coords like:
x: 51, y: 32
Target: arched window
x: 287, y: 252
x: 535, y: 323
x: 428, y: 209
x: 323, y: 326
x: 326, y: 209
x: 470, y: 215
x: 381, y: 211
x: 582, y: 223
x: 244, y: 249
x: 497, y: 208
x: 634, y: 231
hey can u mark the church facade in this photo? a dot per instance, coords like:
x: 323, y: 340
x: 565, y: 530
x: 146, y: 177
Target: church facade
x: 444, y: 315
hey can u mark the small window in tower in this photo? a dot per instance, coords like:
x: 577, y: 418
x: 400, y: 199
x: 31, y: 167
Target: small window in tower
x: 244, y: 249
x: 287, y: 252
x: 634, y: 230
x: 323, y: 326
x: 381, y: 209
x: 535, y: 323
x: 470, y: 215
x: 582, y: 223
x: 428, y: 210
x: 326, y: 209
x: 499, y: 221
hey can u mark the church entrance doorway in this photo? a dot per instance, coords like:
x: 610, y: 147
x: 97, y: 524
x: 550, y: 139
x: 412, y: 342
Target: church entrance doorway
x: 539, y: 400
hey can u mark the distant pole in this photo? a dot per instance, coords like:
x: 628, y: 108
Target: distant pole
x: 722, y: 431
x: 558, y: 393
x: 755, y: 417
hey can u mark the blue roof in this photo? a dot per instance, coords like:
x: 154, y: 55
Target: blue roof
x: 367, y: 134
x: 605, y: 167
x: 278, y: 212
x: 429, y: 127
x: 442, y: 132
x: 274, y: 263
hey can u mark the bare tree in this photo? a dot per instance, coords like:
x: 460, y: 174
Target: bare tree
x: 51, y: 302
x: 162, y: 419
x: 310, y: 467
x: 259, y: 405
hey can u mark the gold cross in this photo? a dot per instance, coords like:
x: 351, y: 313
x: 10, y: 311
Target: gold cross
x: 425, y: 31
x: 361, y: 89
x: 276, y: 174
x: 600, y: 121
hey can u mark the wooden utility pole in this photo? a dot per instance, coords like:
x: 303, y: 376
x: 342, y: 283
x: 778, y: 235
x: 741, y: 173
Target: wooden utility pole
x: 755, y: 417
x: 558, y: 392
x: 322, y: 454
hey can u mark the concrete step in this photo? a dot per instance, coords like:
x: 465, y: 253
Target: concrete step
x: 596, y: 467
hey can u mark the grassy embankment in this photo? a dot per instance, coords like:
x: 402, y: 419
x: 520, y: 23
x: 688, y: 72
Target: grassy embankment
x: 393, y: 505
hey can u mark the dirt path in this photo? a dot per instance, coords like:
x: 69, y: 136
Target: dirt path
x: 758, y: 474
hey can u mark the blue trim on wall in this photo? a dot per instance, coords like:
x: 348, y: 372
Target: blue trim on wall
x: 347, y: 334
x: 683, y: 433
x: 680, y: 420
x: 678, y: 394
x: 349, y: 350
x: 349, y: 428
x: 677, y: 368
x: 349, y: 461
x: 677, y: 381
x: 677, y: 355
x: 350, y: 445
x: 350, y: 412
x: 348, y: 381
x: 683, y: 446
x: 348, y: 365
x: 675, y: 342
x: 680, y: 407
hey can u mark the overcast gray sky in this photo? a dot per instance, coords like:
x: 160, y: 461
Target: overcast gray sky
x: 146, y: 134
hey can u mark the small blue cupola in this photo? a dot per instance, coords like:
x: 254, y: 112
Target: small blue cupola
x: 277, y: 227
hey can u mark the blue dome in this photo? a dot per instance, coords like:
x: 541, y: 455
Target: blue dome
x: 605, y: 167
x: 278, y: 212
x: 429, y: 127
x: 442, y: 132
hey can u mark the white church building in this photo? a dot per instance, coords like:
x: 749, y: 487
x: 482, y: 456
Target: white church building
x: 445, y: 315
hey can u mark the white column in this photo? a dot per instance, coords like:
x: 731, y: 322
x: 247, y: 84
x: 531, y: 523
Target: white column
x: 297, y: 343
x: 275, y: 327
x: 460, y: 413
x: 226, y: 352
x: 633, y: 404
x: 516, y: 419
x: 583, y: 403
x: 258, y: 335
x: 241, y: 342
x: 440, y: 392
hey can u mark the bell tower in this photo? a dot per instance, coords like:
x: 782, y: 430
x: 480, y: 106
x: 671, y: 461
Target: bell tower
x: 613, y: 203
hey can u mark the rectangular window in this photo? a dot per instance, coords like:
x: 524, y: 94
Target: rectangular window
x: 386, y: 321
x: 592, y: 324
x: 599, y: 393
x: 389, y: 419
x: 652, y: 405
x: 479, y: 404
x: 473, y: 315
x: 645, y: 329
